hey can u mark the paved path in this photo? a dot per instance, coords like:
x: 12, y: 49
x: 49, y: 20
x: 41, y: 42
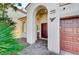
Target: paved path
x: 38, y: 48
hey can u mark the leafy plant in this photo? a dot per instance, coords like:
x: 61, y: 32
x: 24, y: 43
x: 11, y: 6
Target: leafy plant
x: 8, y: 43
x: 3, y: 13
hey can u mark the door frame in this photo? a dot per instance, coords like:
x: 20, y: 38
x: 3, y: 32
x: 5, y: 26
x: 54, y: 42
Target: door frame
x: 69, y: 17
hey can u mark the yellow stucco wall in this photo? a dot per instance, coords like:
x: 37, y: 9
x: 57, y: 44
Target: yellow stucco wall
x: 20, y: 28
x: 15, y: 15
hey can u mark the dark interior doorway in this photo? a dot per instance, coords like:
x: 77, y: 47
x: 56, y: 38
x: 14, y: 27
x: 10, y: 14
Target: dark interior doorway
x: 44, y: 33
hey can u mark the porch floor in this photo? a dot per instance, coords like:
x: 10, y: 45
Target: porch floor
x: 38, y: 48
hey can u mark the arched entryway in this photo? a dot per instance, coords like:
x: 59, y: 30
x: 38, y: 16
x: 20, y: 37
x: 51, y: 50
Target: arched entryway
x: 41, y: 15
x: 20, y: 27
x: 53, y: 42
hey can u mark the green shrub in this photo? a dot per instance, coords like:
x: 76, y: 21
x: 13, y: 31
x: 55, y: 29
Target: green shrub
x: 8, y: 44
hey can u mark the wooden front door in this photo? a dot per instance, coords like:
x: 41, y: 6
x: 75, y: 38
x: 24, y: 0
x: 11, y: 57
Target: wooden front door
x: 69, y: 34
x: 44, y: 33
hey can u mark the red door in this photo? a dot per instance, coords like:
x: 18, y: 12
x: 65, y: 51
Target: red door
x: 44, y: 30
x: 69, y: 34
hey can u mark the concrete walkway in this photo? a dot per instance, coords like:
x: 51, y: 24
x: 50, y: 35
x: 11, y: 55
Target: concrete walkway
x: 38, y: 48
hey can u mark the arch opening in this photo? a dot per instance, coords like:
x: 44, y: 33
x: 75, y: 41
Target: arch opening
x: 41, y: 16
